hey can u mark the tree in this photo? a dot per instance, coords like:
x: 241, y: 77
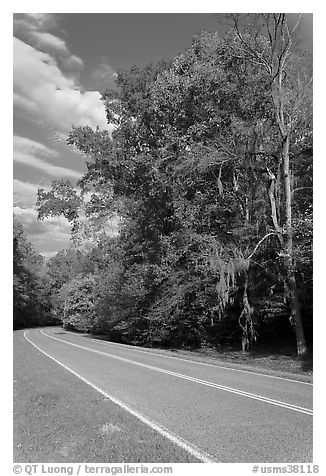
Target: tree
x: 195, y: 171
x: 78, y: 302
x: 274, y: 53
x: 31, y: 306
x: 208, y: 102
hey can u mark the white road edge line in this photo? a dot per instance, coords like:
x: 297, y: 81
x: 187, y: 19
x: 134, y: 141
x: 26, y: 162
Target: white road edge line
x: 132, y: 347
x: 191, y: 449
x: 253, y: 396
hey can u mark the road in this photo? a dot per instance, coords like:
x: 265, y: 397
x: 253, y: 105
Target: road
x: 213, y: 412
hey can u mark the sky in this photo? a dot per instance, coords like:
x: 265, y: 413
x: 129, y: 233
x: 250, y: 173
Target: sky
x: 61, y: 64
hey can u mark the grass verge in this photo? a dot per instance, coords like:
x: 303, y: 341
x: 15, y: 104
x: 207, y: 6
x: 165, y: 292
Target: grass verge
x: 282, y: 362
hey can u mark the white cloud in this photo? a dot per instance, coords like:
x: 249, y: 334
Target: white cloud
x: 34, y: 154
x: 47, y: 236
x: 39, y: 19
x: 25, y: 193
x: 25, y: 22
x: 49, y: 169
x: 41, y: 88
x: 33, y: 29
x: 49, y: 43
x: 72, y: 62
x: 25, y: 144
x: 104, y: 76
x: 24, y: 103
x: 28, y: 214
x: 48, y: 254
x: 47, y: 40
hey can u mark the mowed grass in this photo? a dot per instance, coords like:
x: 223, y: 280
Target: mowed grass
x: 58, y: 418
x: 281, y: 362
x: 278, y: 362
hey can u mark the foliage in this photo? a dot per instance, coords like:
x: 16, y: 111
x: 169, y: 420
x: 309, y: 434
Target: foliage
x: 31, y: 306
x: 194, y: 172
x: 77, y: 298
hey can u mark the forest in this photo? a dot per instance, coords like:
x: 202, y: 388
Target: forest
x: 192, y: 225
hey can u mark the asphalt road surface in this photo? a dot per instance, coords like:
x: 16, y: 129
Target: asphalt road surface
x: 213, y: 412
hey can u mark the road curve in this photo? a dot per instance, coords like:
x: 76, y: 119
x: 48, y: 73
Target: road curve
x: 217, y: 413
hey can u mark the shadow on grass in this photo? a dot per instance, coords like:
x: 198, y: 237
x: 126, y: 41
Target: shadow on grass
x: 307, y: 363
x: 282, y: 358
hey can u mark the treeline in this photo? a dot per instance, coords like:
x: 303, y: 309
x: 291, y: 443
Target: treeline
x: 31, y: 291
x: 208, y: 176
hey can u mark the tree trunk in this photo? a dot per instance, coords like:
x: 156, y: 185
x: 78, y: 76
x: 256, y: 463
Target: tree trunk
x: 249, y: 334
x: 295, y: 316
x: 280, y: 43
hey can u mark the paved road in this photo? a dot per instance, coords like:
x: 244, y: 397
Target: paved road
x: 214, y: 412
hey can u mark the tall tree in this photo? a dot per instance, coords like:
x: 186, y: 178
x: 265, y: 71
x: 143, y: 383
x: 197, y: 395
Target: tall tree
x: 31, y: 306
x: 196, y: 171
x: 289, y: 88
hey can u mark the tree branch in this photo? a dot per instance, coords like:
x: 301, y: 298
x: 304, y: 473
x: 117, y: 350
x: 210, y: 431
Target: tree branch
x: 301, y: 188
x: 273, y: 202
x: 260, y: 242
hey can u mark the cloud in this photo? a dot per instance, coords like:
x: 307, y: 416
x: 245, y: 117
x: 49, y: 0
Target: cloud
x: 35, y: 154
x: 56, y: 227
x: 104, y: 76
x: 49, y: 43
x: 29, y: 27
x: 47, y: 40
x: 40, y: 20
x: 73, y: 62
x: 41, y: 88
x: 25, y: 22
x: 53, y: 233
x: 25, y: 215
x: 50, y: 169
x: 23, y: 143
x: 25, y: 193
x: 47, y: 236
x: 48, y: 254
x: 24, y: 103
